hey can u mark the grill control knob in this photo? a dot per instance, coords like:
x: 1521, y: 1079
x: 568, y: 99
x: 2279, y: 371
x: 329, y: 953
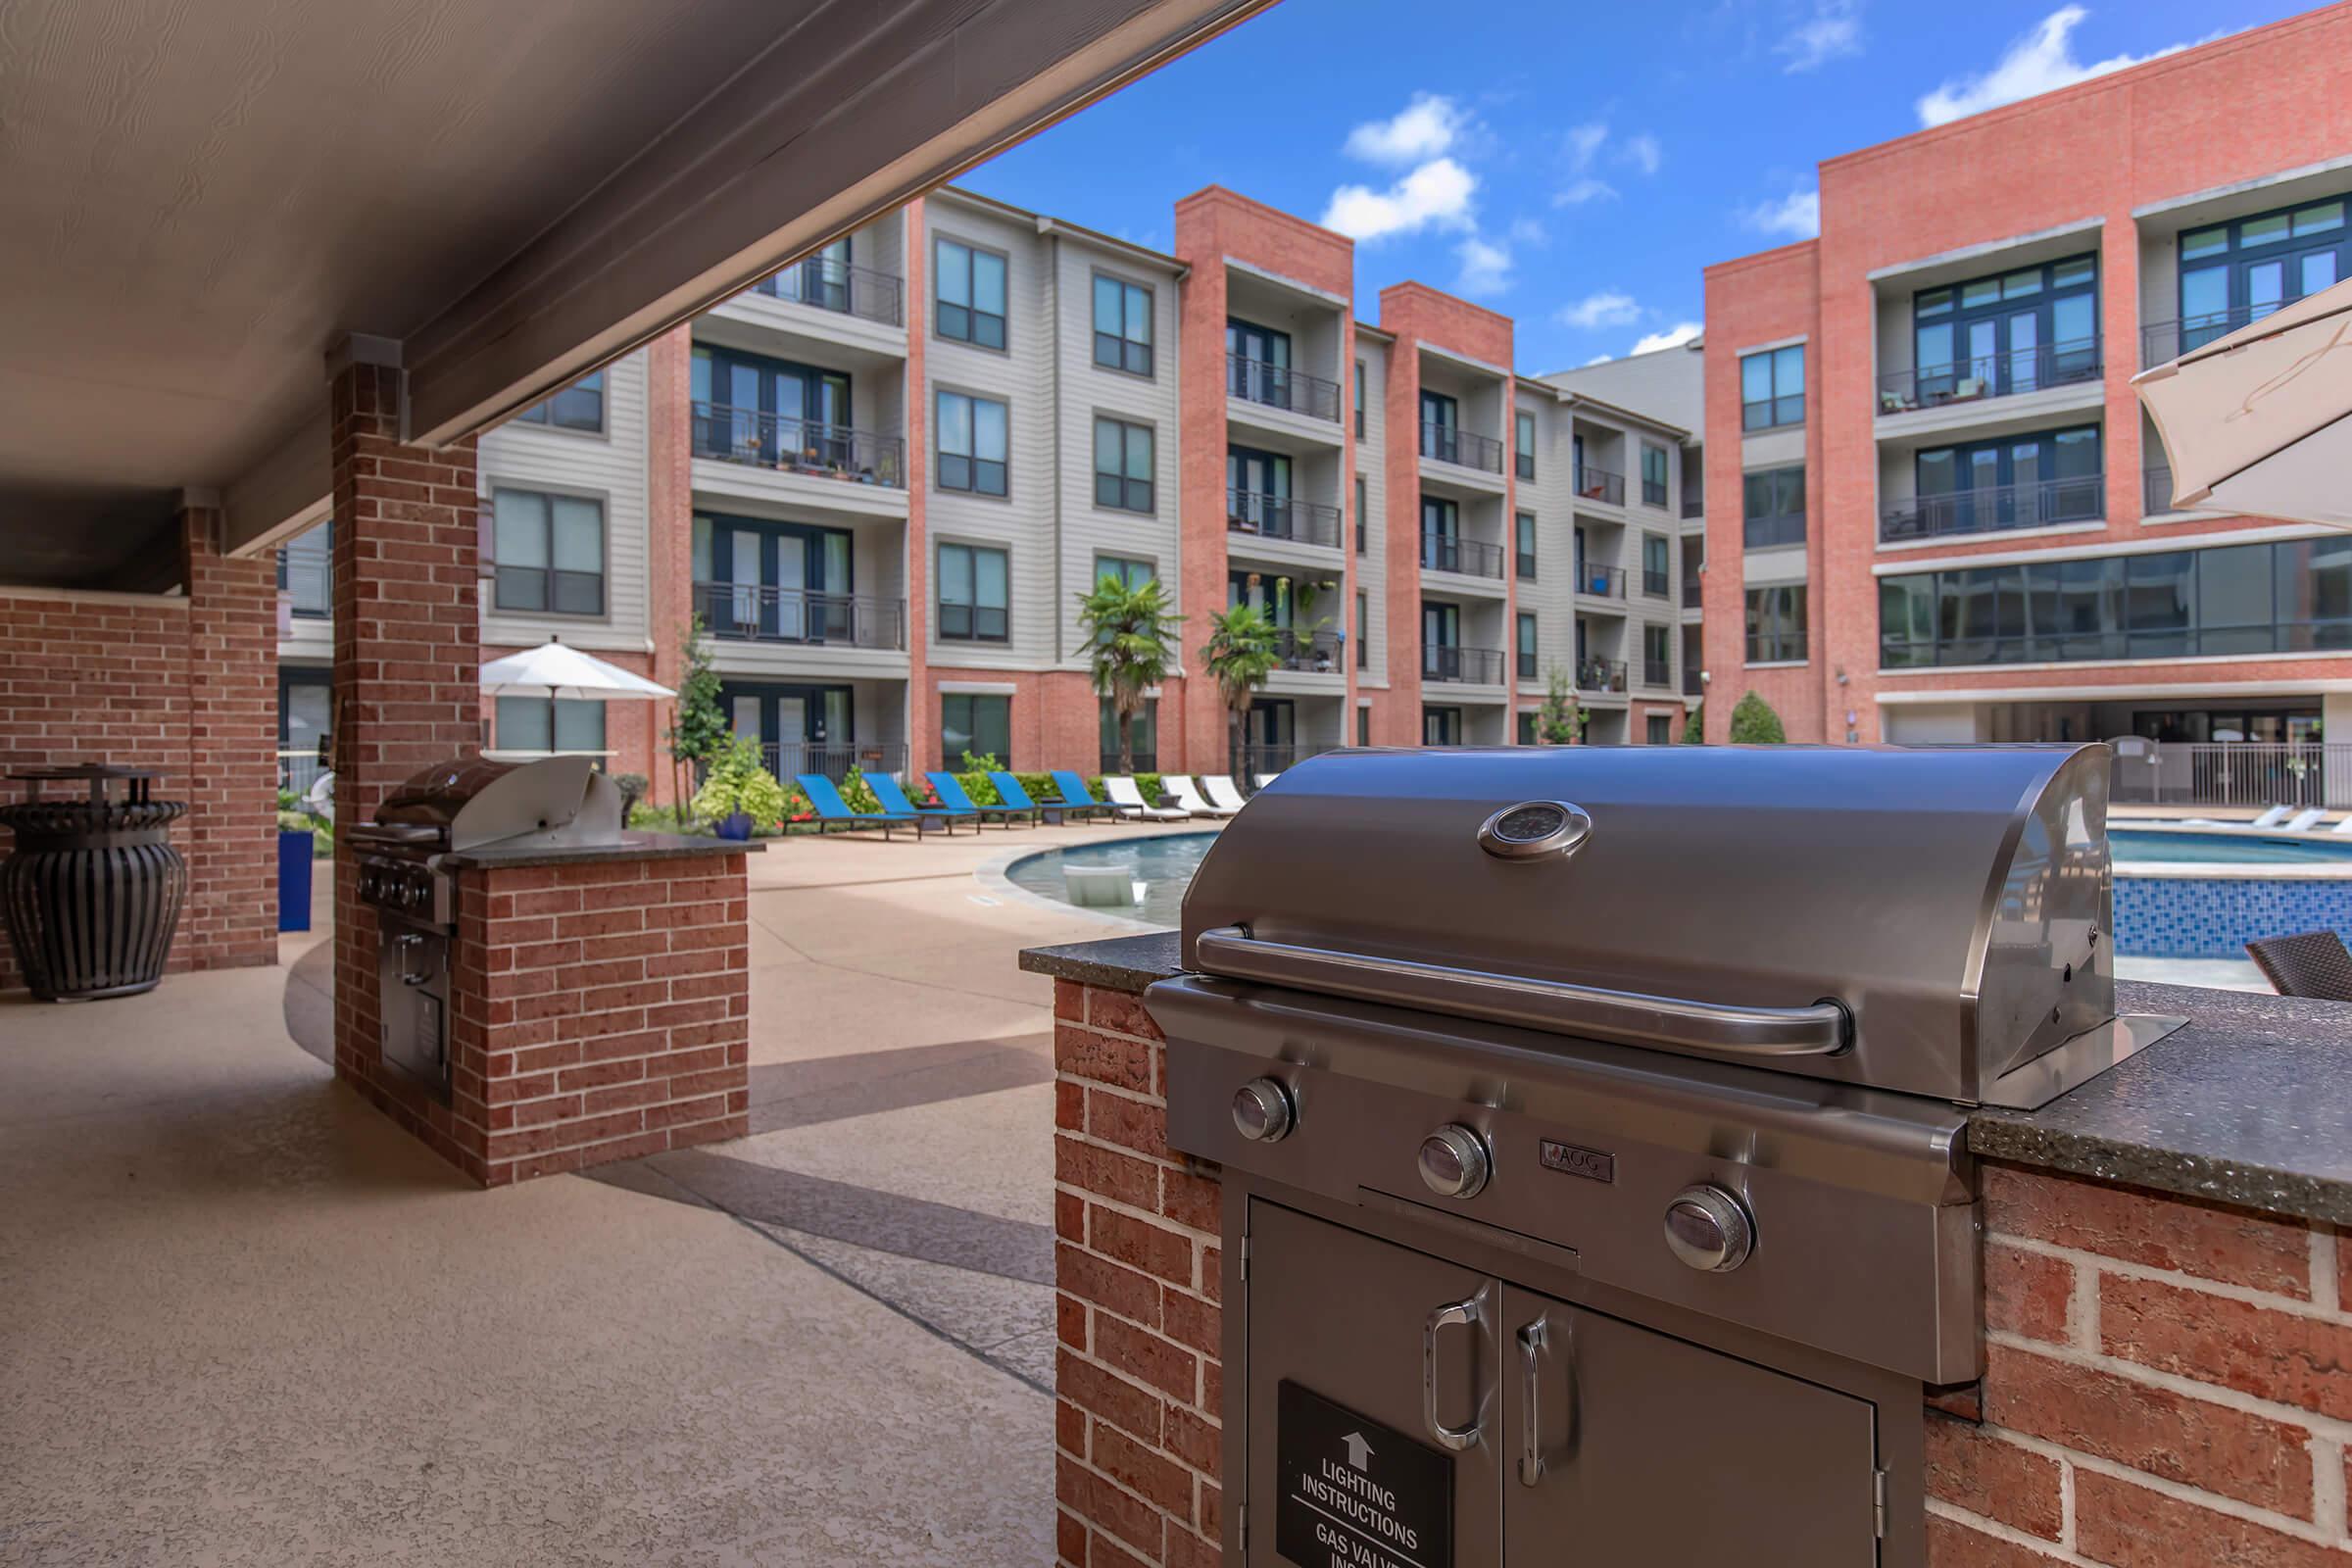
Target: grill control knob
x: 1455, y: 1162
x: 1263, y: 1111
x: 1709, y: 1228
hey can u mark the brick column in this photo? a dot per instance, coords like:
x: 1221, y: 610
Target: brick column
x: 407, y: 682
x: 231, y: 839
x: 669, y: 504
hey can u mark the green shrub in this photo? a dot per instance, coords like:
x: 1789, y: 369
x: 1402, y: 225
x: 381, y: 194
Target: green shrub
x: 632, y: 790
x: 738, y: 783
x: 1754, y: 723
x: 856, y: 793
x: 1695, y: 727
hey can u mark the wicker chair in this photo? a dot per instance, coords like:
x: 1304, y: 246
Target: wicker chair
x: 2311, y: 964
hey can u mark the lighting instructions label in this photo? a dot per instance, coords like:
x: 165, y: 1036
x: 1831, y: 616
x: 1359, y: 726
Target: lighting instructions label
x: 1354, y: 1494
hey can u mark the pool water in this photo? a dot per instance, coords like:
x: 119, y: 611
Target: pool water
x: 2224, y: 849
x: 1164, y: 865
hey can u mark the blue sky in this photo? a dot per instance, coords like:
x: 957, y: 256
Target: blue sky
x: 1572, y: 164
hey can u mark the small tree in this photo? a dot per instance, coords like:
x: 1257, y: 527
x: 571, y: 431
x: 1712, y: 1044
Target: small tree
x: 1754, y: 723
x: 1128, y: 630
x: 1560, y: 721
x: 1694, y: 725
x: 698, y: 730
x: 1239, y: 657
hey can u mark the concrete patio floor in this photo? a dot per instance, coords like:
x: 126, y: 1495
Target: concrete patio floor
x: 246, y: 1321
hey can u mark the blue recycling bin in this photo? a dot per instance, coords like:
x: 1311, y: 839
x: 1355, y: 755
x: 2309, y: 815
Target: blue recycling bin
x: 294, y: 849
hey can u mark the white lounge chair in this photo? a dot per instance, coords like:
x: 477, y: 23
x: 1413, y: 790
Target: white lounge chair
x: 1221, y: 790
x: 2345, y: 826
x: 2273, y: 818
x: 1181, y: 793
x: 2302, y: 821
x: 1264, y: 780
x: 1128, y: 801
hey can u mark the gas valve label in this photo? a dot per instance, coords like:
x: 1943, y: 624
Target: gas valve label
x: 1355, y: 1494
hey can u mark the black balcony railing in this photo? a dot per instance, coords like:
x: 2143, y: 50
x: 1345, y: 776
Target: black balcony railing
x: 1693, y: 593
x: 2160, y: 341
x: 1991, y: 375
x: 1471, y: 667
x: 1654, y: 583
x: 1463, y: 448
x: 1595, y: 483
x: 784, y: 759
x: 1600, y: 675
x: 1657, y: 672
x: 1278, y: 386
x: 1305, y: 523
x: 1694, y: 504
x: 2155, y: 490
x: 831, y: 284
x: 1314, y: 653
x: 1997, y: 509
x: 1782, y: 528
x: 1600, y: 582
x: 1472, y: 558
x: 799, y: 446
x: 748, y: 613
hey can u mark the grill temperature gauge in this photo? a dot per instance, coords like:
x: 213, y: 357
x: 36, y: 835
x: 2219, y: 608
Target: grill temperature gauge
x: 1262, y: 1111
x: 1709, y: 1228
x: 1455, y: 1162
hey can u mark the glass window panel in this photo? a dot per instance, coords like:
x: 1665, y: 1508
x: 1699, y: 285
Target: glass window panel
x: 1935, y: 303
x: 954, y: 423
x: 2078, y: 454
x: 988, y: 282
x: 1935, y: 348
x: 1107, y: 304
x: 2018, y: 284
x: 2266, y: 288
x: 521, y: 527
x: 2157, y: 592
x: 1982, y: 292
x: 989, y: 578
x: 1139, y: 453
x: 2233, y: 588
x: 1938, y: 474
x: 2204, y: 242
x: 579, y: 726
x: 2204, y: 293
x: 1138, y: 315
x: 525, y: 724
x: 1755, y: 378
x: 2071, y: 322
x: 1107, y: 447
x: 1789, y: 371
x: 2317, y: 219
x: 2079, y: 270
x: 955, y: 573
x: 2318, y: 272
x: 988, y: 429
x: 2261, y: 231
x: 954, y: 274
x: 579, y: 535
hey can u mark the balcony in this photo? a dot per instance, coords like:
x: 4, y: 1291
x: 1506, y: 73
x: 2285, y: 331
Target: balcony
x: 1284, y: 518
x: 1783, y: 528
x: 784, y: 759
x: 1694, y: 505
x: 2160, y: 341
x: 758, y: 440
x: 1600, y: 675
x: 1600, y: 582
x: 1467, y: 666
x: 1654, y: 583
x: 1692, y: 686
x: 1278, y: 386
x: 1465, y: 448
x: 1658, y: 673
x: 1997, y: 509
x: 748, y: 613
x: 1994, y: 376
x: 1472, y: 558
x: 830, y: 284
x: 1308, y: 653
x: 1693, y: 593
x: 1595, y: 483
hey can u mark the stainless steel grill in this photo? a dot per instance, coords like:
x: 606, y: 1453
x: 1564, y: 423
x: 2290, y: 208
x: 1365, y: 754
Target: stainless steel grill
x: 1607, y: 1083
x: 467, y: 803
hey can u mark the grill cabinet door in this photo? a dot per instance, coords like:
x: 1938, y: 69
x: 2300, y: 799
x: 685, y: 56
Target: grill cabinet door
x: 1657, y: 1451
x: 1341, y: 1316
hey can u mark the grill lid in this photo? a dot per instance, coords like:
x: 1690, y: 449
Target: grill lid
x: 1923, y: 920
x: 476, y: 802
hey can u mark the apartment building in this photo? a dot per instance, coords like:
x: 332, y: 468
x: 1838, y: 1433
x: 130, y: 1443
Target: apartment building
x: 1954, y: 523
x: 884, y: 477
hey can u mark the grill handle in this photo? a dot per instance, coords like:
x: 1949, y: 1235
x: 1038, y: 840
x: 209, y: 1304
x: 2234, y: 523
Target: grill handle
x: 1823, y: 1029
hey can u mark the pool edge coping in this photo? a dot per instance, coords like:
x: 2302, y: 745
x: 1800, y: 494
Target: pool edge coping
x: 992, y: 878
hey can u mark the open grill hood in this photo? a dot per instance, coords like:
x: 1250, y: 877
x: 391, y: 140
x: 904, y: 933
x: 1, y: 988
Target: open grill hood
x: 1935, y: 921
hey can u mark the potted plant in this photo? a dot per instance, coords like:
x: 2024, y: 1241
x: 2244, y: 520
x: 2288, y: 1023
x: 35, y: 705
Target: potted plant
x: 739, y: 794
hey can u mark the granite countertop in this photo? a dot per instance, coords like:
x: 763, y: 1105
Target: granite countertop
x: 2249, y: 1103
x: 633, y: 846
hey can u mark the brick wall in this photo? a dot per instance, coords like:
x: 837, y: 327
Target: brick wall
x: 1136, y: 1268
x: 599, y: 1012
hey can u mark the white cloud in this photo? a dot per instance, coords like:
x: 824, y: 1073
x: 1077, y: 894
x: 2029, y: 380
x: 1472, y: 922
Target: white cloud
x: 1486, y: 268
x: 1427, y: 127
x: 1643, y: 153
x: 1583, y: 191
x: 1438, y: 194
x: 1598, y: 359
x: 1797, y: 215
x: 1674, y: 337
x: 1833, y: 32
x: 1528, y: 231
x: 2042, y: 60
x: 1582, y: 144
x: 1608, y: 308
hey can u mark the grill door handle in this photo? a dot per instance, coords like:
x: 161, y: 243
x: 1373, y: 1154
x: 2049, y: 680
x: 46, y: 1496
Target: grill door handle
x: 1823, y: 1029
x: 1452, y: 1313
x: 1533, y: 1339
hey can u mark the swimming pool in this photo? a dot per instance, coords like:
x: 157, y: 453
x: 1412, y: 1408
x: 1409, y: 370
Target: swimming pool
x: 2181, y: 847
x: 1164, y: 865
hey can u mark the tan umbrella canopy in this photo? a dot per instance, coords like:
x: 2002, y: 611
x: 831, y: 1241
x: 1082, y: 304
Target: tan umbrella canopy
x: 2260, y: 423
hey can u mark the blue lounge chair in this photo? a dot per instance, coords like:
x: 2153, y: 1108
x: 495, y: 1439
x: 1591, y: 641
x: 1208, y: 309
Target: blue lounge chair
x: 894, y: 799
x: 951, y: 793
x: 832, y: 809
x: 1014, y: 794
x: 1076, y: 800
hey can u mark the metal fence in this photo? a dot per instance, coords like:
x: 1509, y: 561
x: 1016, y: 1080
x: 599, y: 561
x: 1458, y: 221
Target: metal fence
x: 1465, y: 448
x: 1989, y: 375
x: 832, y: 284
x: 798, y: 446
x: 2236, y: 774
x: 1278, y: 386
x: 784, y: 759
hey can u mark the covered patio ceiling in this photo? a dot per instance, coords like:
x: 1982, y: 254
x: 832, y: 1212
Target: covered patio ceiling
x: 196, y: 202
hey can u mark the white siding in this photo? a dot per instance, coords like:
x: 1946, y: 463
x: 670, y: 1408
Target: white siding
x: 1551, y: 598
x: 1372, y: 567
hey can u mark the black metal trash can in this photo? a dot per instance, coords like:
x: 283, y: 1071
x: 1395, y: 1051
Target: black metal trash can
x: 93, y: 892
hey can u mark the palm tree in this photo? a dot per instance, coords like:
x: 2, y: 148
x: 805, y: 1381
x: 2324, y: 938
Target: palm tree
x: 1127, y: 636
x: 1239, y: 657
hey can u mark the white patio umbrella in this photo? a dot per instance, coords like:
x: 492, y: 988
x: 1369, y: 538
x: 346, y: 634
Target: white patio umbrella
x: 552, y: 669
x: 2260, y: 423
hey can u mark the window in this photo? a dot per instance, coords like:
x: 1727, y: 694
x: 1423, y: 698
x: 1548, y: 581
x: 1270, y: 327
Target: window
x: 1776, y: 625
x: 978, y: 723
x: 2019, y: 332
x: 1122, y: 325
x: 1657, y: 657
x: 2027, y: 481
x: 972, y: 443
x: 1773, y: 507
x: 550, y: 553
x: 1441, y: 727
x: 1363, y: 631
x: 2288, y: 597
x: 1771, y: 388
x: 781, y: 582
x: 1523, y: 533
x: 1125, y: 572
x: 2241, y: 271
x: 1655, y: 565
x: 1524, y: 444
x: 578, y: 407
x: 305, y: 571
x: 1144, y: 731
x: 1359, y: 400
x: 539, y: 724
x: 1660, y: 729
x: 1362, y: 526
x: 973, y: 595
x: 1526, y: 645
x: 1122, y: 466
x: 1653, y: 474
x: 1527, y: 729
x: 1363, y: 726
x: 970, y: 295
